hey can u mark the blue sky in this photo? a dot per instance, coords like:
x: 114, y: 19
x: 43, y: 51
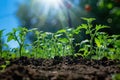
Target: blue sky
x: 8, y: 20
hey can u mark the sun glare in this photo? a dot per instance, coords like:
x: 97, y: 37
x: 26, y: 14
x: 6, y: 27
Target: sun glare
x: 52, y: 11
x: 52, y: 3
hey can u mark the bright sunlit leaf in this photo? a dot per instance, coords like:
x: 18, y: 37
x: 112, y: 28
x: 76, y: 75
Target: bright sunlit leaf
x: 97, y: 42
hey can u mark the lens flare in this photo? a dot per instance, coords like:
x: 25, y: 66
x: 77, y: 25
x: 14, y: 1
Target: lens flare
x: 55, y: 12
x: 52, y: 3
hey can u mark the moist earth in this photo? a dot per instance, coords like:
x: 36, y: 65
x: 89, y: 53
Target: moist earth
x: 59, y: 68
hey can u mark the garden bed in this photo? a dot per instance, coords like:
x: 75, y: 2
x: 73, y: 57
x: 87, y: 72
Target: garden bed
x: 59, y: 68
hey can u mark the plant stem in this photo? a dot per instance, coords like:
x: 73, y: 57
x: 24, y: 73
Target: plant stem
x: 1, y: 47
x: 91, y: 37
x: 20, y: 45
x: 20, y: 50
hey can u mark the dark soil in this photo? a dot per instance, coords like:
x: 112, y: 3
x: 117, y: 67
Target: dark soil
x: 60, y: 68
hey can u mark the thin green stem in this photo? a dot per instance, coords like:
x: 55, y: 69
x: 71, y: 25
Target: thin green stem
x: 1, y: 47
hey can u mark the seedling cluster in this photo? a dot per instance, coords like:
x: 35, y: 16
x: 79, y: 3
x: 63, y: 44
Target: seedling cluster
x: 48, y: 45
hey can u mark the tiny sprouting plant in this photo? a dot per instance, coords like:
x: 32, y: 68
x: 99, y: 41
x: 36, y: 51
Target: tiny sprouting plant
x: 37, y: 45
x: 87, y: 45
x: 65, y: 37
x: 98, y: 44
x: 49, y: 44
x: 19, y: 35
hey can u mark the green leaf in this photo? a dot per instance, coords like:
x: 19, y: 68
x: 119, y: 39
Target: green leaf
x: 98, y: 27
x: 37, y: 33
x: 25, y: 30
x: 117, y: 43
x: 84, y: 26
x: 84, y: 42
x: 61, y: 31
x: 97, y: 42
x: 33, y: 29
x: 112, y: 49
x: 19, y: 28
x: 87, y: 32
x: 115, y: 36
x: 3, y: 66
x: 89, y: 20
x: 64, y: 40
x: 81, y: 49
x: 7, y: 62
x: 78, y: 29
x: 10, y: 37
x: 14, y: 30
x: 58, y: 35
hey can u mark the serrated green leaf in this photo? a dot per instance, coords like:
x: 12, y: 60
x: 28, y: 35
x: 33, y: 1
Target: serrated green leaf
x: 84, y: 26
x: 99, y: 27
x: 78, y: 29
x: 89, y: 20
x: 97, y: 42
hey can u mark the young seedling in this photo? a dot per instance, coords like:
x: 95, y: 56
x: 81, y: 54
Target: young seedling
x: 92, y: 32
x: 19, y: 35
x: 48, y: 45
x: 66, y: 40
x: 36, y: 45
